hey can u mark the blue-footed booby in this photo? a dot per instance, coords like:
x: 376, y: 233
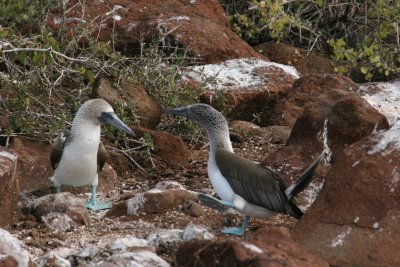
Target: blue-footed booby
x: 248, y: 187
x: 78, y: 155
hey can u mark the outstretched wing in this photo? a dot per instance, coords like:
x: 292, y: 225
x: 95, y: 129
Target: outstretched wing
x: 258, y: 185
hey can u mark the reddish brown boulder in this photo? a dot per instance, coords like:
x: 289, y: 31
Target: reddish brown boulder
x: 64, y: 202
x: 9, y: 185
x: 201, y: 27
x: 34, y: 169
x: 355, y: 219
x: 133, y: 95
x: 167, y: 147
x: 267, y: 247
x: 305, y: 90
x: 312, y: 100
x: 304, y: 61
x: 244, y: 88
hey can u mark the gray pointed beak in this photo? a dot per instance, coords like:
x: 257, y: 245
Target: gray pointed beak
x: 112, y: 119
x: 184, y: 111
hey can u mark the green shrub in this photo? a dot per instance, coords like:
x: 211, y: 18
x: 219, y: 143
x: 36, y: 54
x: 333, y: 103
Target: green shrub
x: 362, y: 35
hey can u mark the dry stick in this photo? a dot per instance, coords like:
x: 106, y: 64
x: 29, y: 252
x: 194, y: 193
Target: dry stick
x: 129, y: 157
x: 46, y: 50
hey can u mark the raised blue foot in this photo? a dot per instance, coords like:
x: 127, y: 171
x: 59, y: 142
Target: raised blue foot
x: 94, y: 205
x: 214, y: 203
x: 237, y: 231
x: 58, y: 189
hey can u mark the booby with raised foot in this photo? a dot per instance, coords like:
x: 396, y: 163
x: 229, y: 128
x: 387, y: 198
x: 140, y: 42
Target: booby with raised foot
x: 248, y: 187
x: 77, y: 156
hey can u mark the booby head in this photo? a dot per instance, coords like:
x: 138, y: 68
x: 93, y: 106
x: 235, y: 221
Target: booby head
x: 99, y: 112
x: 210, y: 119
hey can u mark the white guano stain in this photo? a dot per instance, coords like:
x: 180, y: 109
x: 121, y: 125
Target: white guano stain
x: 339, y: 240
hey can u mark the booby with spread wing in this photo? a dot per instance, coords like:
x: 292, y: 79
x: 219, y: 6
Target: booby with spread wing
x: 77, y: 156
x: 248, y: 187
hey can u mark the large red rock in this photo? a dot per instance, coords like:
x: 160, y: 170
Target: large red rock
x: 201, y: 27
x: 304, y: 61
x: 267, y: 247
x: 355, y: 219
x: 134, y: 96
x: 313, y: 101
x: 170, y: 149
x: 34, y: 169
x: 243, y: 88
x: 9, y: 185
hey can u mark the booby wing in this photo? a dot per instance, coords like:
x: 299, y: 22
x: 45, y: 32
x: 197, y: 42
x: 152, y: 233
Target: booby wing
x: 256, y: 184
x: 64, y: 138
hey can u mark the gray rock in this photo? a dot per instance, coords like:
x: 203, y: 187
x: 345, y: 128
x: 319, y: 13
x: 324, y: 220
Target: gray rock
x: 165, y: 238
x: 142, y: 258
x: 12, y: 250
x: 59, y: 222
x: 198, y: 232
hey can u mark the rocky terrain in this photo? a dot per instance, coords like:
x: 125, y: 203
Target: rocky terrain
x: 280, y: 115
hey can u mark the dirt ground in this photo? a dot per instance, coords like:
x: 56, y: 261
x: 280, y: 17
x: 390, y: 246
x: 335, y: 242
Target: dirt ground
x: 103, y: 230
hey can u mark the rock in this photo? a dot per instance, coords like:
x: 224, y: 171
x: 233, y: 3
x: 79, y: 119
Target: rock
x: 9, y: 189
x: 197, y: 232
x: 62, y: 203
x: 192, y: 208
x: 13, y: 252
x: 89, y: 252
x: 304, y: 61
x: 34, y: 169
x: 53, y: 260
x: 165, y: 238
x: 141, y: 258
x: 164, y: 197
x: 169, y: 148
x: 245, y: 87
x: 131, y: 94
x: 266, y: 247
x: 179, y: 24
x: 275, y: 134
x: 125, y: 243
x: 355, y: 219
x: 59, y: 222
x: 324, y: 106
x: 384, y: 97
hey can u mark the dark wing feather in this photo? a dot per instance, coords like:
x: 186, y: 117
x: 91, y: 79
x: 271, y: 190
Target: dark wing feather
x: 58, y: 147
x: 102, y: 157
x: 256, y: 184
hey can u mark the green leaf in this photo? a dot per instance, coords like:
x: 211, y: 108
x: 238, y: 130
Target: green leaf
x: 37, y: 58
x: 364, y: 70
x: 90, y: 76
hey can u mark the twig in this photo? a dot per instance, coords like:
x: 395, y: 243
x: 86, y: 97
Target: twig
x: 129, y: 157
x: 46, y: 50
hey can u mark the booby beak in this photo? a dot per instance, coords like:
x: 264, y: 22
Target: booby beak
x: 112, y: 119
x: 183, y: 111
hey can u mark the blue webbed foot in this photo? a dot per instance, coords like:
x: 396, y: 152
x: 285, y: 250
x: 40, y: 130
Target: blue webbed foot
x: 237, y: 231
x: 233, y: 231
x: 97, y: 205
x: 94, y: 205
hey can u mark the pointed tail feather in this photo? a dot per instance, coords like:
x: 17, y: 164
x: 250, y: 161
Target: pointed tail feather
x: 304, y: 179
x: 211, y: 202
